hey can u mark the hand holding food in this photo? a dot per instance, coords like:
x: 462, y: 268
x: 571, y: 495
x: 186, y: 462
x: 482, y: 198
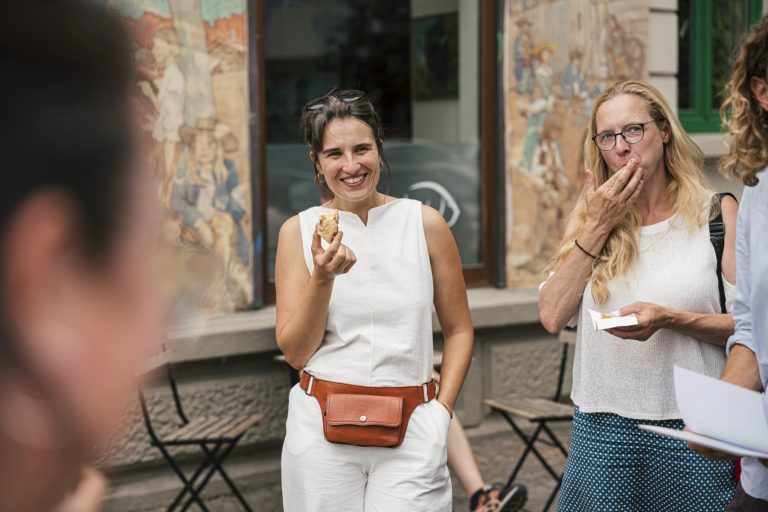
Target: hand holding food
x: 650, y: 318
x: 337, y: 259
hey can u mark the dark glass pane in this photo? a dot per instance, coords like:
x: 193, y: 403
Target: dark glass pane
x: 730, y: 19
x: 685, y: 45
x: 407, y: 61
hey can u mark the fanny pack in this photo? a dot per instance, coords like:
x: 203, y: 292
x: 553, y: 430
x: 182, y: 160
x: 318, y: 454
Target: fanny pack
x: 363, y: 415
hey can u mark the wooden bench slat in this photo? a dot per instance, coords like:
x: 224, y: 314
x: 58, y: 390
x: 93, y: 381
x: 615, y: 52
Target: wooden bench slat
x: 204, y: 429
x: 191, y: 428
x: 533, y: 409
x: 214, y: 427
x: 241, y: 426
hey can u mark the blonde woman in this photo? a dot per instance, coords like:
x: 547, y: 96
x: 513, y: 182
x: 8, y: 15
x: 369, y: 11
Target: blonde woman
x: 638, y: 241
x: 747, y: 158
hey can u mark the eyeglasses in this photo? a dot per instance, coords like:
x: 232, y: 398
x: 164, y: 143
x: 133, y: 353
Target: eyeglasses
x: 632, y: 133
x: 345, y: 96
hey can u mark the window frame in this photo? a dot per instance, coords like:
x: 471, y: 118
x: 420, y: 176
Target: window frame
x: 703, y: 118
x: 484, y: 273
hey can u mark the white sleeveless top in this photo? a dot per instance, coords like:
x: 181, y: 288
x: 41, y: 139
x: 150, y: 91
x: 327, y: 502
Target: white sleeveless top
x: 379, y: 328
x: 675, y: 268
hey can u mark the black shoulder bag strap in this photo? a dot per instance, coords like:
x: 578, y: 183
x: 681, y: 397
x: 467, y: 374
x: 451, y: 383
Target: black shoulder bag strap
x: 717, y: 237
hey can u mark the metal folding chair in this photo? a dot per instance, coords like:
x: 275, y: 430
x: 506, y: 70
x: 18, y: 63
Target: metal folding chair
x: 215, y: 436
x: 540, y: 412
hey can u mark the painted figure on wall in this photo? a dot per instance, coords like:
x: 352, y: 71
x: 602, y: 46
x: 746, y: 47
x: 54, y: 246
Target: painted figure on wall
x: 523, y: 53
x: 210, y: 197
x: 544, y: 74
x: 572, y: 83
x: 548, y: 92
x: 168, y: 101
x: 192, y: 71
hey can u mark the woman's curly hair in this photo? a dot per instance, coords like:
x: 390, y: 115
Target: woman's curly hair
x: 742, y: 115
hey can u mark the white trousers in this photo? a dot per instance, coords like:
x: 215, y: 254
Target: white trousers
x: 318, y: 476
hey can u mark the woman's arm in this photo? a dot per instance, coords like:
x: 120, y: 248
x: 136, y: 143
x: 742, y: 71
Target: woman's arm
x: 451, y: 304
x: 560, y: 296
x: 302, y: 299
x: 713, y: 328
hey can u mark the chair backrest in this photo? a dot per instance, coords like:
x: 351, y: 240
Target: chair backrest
x: 159, y: 357
x: 567, y: 337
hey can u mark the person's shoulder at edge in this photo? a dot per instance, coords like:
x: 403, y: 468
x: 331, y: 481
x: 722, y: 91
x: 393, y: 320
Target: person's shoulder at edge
x: 291, y: 229
x: 434, y: 222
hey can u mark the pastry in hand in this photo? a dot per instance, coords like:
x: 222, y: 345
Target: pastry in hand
x: 607, y: 315
x: 329, y: 226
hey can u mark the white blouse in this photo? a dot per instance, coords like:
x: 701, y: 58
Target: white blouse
x: 379, y: 329
x: 675, y: 268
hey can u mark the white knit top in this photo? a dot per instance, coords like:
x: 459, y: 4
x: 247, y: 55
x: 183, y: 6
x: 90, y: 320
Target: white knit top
x: 379, y: 327
x: 675, y: 268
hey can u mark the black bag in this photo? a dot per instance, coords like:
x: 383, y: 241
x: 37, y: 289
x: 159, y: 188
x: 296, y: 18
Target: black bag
x: 717, y: 237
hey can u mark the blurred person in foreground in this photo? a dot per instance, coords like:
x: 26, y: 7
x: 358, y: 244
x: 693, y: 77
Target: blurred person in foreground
x: 745, y: 113
x: 79, y: 302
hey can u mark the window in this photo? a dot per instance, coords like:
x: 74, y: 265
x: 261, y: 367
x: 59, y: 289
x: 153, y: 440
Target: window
x: 708, y: 32
x: 425, y: 86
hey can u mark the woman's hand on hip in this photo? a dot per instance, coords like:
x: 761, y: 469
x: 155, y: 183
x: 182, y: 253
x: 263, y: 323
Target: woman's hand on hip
x: 609, y: 203
x: 338, y: 259
x: 650, y: 318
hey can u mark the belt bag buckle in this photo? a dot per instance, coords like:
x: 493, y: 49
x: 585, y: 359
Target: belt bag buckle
x: 363, y: 420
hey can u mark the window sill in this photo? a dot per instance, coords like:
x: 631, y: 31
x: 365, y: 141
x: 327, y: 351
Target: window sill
x: 253, y: 332
x: 713, y: 145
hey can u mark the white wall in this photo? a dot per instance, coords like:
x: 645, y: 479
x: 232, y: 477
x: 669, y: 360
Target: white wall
x: 662, y: 48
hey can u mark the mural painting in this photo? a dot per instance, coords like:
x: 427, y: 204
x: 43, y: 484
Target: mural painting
x: 550, y: 79
x: 192, y: 58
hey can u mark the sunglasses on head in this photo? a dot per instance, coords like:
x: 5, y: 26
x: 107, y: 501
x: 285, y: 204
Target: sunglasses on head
x: 345, y: 96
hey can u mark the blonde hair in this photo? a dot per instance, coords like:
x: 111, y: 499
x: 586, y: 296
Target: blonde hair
x: 748, y: 122
x: 687, y: 191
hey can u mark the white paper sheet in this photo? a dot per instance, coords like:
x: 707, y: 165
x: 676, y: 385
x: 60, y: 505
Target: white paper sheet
x: 615, y: 320
x: 707, y: 442
x: 721, y: 412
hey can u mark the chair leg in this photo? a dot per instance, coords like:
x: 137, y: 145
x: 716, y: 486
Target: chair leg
x: 207, y: 461
x: 215, y: 462
x: 229, y: 481
x: 528, y: 447
x: 551, y: 498
x: 188, y: 485
x: 529, y: 442
x: 554, y: 439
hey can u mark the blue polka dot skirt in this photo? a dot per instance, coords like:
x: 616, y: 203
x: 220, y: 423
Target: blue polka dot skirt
x: 614, y: 466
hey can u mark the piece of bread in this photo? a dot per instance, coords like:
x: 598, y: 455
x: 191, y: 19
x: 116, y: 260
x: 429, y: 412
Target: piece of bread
x: 607, y: 315
x: 329, y: 226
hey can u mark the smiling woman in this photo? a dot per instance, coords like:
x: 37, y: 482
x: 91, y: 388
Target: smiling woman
x: 356, y: 317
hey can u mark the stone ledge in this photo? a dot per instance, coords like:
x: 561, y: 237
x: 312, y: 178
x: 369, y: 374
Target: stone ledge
x: 253, y: 332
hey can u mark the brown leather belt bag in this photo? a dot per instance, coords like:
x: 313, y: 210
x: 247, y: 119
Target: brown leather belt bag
x: 366, y: 416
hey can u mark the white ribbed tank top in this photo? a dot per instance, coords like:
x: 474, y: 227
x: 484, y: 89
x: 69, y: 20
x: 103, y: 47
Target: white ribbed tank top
x: 675, y: 268
x: 379, y: 328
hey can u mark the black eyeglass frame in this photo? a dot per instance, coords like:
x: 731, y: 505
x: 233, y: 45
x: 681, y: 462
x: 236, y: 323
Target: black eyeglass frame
x: 616, y: 135
x: 348, y: 96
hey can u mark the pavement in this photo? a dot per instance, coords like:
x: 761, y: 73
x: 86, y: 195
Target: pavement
x: 496, y: 454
